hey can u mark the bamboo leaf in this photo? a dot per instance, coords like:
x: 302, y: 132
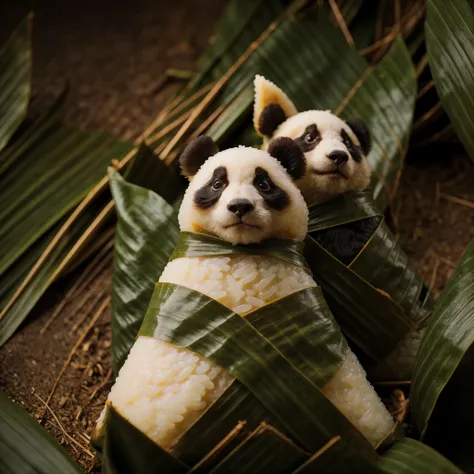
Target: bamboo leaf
x: 409, y: 456
x: 336, y: 457
x: 25, y: 293
x: 210, y: 329
x: 378, y: 297
x: 128, y: 450
x: 191, y: 244
x: 265, y: 450
x: 376, y: 336
x: 444, y: 350
x: 15, y: 79
x: 54, y: 171
x: 25, y: 446
x: 449, y: 32
x: 147, y: 232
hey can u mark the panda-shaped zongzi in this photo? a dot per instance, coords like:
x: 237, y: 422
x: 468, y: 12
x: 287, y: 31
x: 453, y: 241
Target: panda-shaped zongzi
x: 336, y: 152
x: 336, y: 160
x: 243, y: 196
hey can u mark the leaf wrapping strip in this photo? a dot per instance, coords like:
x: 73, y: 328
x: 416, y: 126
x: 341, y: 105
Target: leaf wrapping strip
x: 193, y: 244
x: 336, y: 457
x: 128, y: 450
x: 447, y: 340
x: 265, y: 450
x: 25, y: 446
x: 348, y: 207
x: 344, y: 289
x: 449, y: 32
x: 381, y: 264
x: 208, y: 328
x: 15, y: 82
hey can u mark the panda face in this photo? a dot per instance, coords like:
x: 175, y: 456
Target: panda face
x: 244, y: 195
x: 335, y: 158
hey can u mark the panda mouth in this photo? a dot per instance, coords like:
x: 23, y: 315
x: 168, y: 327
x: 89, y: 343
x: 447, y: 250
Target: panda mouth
x: 242, y: 225
x: 337, y: 173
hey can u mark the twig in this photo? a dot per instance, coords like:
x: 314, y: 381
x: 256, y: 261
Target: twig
x: 103, y: 214
x: 84, y: 300
x: 76, y: 346
x: 457, y: 200
x: 425, y: 89
x: 81, y: 283
x: 68, y: 436
x: 437, y: 109
x: 393, y: 383
x: 99, y: 387
x: 340, y: 21
x: 218, y: 86
x: 374, y: 46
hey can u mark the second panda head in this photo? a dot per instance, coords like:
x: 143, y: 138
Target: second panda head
x: 335, y: 150
x: 243, y: 195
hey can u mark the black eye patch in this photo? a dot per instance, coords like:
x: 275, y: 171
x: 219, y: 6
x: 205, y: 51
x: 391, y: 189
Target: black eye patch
x: 353, y: 150
x: 273, y: 196
x: 309, y: 139
x: 211, y: 192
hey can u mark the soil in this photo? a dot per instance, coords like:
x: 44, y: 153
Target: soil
x: 114, y: 59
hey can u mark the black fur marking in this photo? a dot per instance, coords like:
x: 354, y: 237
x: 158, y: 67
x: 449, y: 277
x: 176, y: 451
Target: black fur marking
x: 361, y: 132
x: 273, y: 196
x: 289, y: 154
x: 195, y: 154
x: 347, y: 240
x: 271, y: 118
x: 353, y: 149
x: 207, y: 196
x: 310, y: 138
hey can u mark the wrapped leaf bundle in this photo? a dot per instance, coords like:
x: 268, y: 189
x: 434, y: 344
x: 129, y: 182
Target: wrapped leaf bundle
x: 237, y: 329
x: 378, y: 299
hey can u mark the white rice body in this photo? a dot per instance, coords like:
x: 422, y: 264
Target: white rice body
x: 399, y: 364
x: 162, y: 389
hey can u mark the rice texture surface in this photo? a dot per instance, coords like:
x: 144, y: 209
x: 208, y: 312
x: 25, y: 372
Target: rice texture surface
x: 163, y: 389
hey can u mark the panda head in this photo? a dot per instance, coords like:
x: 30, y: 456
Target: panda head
x: 243, y: 195
x: 335, y: 150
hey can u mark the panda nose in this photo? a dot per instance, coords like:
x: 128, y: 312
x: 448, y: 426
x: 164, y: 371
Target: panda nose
x: 338, y: 156
x: 240, y: 206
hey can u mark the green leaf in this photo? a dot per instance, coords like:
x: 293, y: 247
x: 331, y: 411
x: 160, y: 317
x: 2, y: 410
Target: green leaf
x: 205, y: 326
x: 409, y: 456
x: 375, y: 321
x: 15, y: 81
x: 55, y: 169
x: 265, y: 450
x: 28, y: 291
x: 25, y: 446
x: 446, y: 343
x: 337, y: 457
x: 128, y: 450
x: 147, y: 232
x: 192, y: 244
x: 449, y: 32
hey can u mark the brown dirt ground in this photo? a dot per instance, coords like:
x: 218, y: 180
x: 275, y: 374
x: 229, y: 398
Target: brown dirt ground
x: 114, y: 58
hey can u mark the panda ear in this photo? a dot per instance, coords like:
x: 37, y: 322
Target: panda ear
x: 289, y: 154
x: 197, y: 151
x: 271, y: 107
x: 361, y: 132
